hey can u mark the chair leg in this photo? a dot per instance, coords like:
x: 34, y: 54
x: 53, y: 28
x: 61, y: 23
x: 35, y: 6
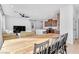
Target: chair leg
x: 65, y: 49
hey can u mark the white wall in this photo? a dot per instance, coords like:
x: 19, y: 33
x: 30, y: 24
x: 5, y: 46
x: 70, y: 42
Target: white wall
x: 1, y: 40
x: 37, y: 24
x: 14, y: 21
x: 66, y: 22
x: 3, y: 23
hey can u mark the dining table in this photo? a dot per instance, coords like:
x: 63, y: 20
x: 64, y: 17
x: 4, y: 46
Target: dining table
x: 24, y: 45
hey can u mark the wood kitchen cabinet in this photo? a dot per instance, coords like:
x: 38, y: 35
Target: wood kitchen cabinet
x: 50, y: 22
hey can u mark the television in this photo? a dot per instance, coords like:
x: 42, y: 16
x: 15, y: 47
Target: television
x: 18, y: 29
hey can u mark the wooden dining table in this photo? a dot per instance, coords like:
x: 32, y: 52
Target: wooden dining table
x: 23, y: 45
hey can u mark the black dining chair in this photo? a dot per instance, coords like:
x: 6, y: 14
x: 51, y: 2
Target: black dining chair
x: 62, y: 44
x: 59, y: 46
x: 65, y: 39
x: 41, y: 48
x: 54, y: 48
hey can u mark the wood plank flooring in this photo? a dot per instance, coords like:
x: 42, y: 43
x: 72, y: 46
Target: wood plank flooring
x: 73, y: 49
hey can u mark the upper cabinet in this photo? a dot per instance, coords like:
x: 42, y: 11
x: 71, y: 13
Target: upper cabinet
x: 50, y: 23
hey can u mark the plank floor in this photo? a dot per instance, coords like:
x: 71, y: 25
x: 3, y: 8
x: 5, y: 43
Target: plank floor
x: 73, y: 49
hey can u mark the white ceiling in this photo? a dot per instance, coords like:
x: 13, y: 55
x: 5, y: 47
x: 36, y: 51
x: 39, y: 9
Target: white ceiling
x: 34, y: 11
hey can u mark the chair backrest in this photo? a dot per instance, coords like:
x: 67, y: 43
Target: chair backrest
x: 59, y: 39
x: 58, y: 43
x: 63, y: 39
x: 54, y: 47
x: 41, y: 48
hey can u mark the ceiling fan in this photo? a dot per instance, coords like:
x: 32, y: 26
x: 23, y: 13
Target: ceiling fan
x: 22, y: 14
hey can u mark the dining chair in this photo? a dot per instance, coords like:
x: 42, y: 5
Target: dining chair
x: 62, y: 44
x: 41, y: 48
x: 59, y: 46
x: 65, y: 39
x: 54, y: 48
